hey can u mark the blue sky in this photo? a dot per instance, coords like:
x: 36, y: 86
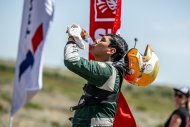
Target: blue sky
x: 163, y: 24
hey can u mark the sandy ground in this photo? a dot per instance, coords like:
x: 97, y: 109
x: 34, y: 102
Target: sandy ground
x: 55, y: 112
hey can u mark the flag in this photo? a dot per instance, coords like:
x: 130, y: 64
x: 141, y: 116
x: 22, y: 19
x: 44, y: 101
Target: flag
x: 102, y: 17
x: 105, y: 18
x: 123, y: 117
x: 36, y: 18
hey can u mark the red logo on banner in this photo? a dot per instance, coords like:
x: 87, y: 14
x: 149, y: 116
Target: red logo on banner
x: 103, y: 14
x: 105, y: 10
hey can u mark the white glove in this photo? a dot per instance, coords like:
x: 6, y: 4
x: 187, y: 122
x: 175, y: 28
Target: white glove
x: 75, y: 31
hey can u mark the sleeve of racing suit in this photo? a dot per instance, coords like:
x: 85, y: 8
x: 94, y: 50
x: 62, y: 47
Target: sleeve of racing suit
x: 93, y: 71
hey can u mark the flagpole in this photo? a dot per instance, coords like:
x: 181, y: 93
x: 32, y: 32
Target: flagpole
x: 11, y: 121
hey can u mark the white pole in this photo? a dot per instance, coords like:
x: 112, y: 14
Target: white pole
x: 11, y: 121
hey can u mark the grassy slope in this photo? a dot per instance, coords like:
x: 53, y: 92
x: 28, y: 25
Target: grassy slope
x: 150, y: 105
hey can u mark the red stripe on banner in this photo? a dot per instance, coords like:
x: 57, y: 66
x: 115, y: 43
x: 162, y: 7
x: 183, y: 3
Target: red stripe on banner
x: 117, y: 22
x: 123, y: 117
x: 37, y: 38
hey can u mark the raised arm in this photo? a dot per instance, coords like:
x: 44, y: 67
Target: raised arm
x: 92, y: 71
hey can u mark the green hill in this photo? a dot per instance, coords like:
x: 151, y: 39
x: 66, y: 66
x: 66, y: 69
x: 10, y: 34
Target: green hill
x: 150, y: 105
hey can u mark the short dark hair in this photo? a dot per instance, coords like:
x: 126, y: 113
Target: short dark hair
x: 120, y: 45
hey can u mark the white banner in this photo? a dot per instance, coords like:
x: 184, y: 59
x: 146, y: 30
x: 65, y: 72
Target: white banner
x: 36, y: 18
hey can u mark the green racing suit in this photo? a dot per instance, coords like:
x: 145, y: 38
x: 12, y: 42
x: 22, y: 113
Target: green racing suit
x: 102, y: 75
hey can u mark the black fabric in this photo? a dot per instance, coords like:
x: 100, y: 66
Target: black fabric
x: 98, y: 95
x: 121, y: 67
x: 94, y: 95
x: 182, y: 113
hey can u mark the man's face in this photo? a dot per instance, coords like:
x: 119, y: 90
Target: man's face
x: 102, y: 47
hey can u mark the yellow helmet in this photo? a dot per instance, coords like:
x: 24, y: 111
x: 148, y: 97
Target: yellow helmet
x: 144, y: 69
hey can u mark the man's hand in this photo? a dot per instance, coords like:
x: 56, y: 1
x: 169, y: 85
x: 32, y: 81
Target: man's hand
x: 75, y: 32
x: 84, y: 34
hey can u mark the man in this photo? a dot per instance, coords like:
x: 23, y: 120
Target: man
x: 98, y: 104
